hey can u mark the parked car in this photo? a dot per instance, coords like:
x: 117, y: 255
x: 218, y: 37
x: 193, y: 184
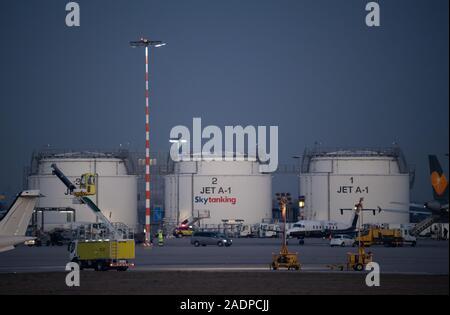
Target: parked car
x: 342, y: 240
x: 210, y: 238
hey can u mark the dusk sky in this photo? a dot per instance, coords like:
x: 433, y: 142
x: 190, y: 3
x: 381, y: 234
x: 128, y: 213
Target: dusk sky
x: 311, y: 67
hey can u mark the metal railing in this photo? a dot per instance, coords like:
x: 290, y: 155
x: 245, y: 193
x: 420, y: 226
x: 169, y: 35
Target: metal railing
x: 394, y: 152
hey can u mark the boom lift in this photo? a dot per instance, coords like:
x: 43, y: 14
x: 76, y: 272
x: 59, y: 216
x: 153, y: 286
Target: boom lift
x: 101, y: 249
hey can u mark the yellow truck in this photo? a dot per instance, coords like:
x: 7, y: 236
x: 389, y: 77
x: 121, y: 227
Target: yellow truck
x: 101, y: 246
x: 386, y: 237
x: 103, y: 255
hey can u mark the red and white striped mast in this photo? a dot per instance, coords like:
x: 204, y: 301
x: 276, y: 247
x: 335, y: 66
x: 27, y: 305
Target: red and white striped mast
x: 143, y: 42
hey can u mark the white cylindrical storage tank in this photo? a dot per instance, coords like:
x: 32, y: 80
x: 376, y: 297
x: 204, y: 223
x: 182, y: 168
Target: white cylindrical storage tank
x: 230, y: 190
x: 116, y: 190
x: 331, y: 180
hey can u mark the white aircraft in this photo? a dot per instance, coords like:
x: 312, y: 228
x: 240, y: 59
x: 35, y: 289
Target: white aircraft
x: 320, y: 229
x: 14, y: 224
x: 323, y: 229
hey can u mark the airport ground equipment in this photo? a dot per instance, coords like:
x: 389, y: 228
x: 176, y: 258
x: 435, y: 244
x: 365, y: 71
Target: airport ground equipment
x: 248, y: 230
x: 284, y: 259
x: 93, y: 248
x: 358, y: 261
x: 87, y: 183
x: 186, y: 228
x: 268, y: 230
x: 424, y: 224
x: 387, y: 237
x: 101, y: 246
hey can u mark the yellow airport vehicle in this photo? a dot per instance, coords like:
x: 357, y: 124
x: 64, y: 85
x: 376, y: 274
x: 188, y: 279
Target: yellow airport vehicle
x: 380, y: 236
x: 358, y: 261
x: 285, y: 259
x: 101, y: 246
x: 103, y: 255
x: 181, y: 232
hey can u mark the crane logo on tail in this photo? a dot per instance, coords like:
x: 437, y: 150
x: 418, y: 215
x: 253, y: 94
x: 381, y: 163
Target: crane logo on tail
x: 439, y: 183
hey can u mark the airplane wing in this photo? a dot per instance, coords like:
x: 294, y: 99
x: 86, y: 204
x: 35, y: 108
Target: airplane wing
x: 411, y: 204
x: 9, y: 242
x: 406, y: 211
x: 6, y: 248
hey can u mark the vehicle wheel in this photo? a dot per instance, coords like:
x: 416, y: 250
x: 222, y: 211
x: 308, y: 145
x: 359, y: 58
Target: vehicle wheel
x: 359, y: 267
x: 122, y: 269
x: 301, y: 242
x: 355, y: 244
x: 220, y: 244
x: 414, y: 244
x: 343, y: 244
x: 196, y: 244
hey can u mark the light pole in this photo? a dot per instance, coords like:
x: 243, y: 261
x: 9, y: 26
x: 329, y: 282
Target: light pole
x: 284, y: 200
x: 143, y: 42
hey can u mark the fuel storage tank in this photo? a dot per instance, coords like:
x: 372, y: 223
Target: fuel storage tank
x: 116, y: 188
x: 230, y: 190
x: 333, y: 179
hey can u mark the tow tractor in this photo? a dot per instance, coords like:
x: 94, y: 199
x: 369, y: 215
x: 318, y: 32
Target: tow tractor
x: 101, y: 246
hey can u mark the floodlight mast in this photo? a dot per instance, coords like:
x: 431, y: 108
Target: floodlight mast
x: 146, y: 43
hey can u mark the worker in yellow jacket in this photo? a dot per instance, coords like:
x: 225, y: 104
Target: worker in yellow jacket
x: 160, y: 238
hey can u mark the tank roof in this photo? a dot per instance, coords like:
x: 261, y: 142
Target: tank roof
x: 49, y: 154
x: 324, y: 152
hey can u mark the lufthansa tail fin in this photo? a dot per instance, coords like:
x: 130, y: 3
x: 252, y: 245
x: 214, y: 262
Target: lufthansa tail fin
x: 16, y: 220
x: 439, y: 181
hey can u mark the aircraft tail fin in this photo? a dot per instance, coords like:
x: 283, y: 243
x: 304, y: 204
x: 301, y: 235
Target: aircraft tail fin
x: 439, y: 181
x: 354, y: 220
x: 17, y: 218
